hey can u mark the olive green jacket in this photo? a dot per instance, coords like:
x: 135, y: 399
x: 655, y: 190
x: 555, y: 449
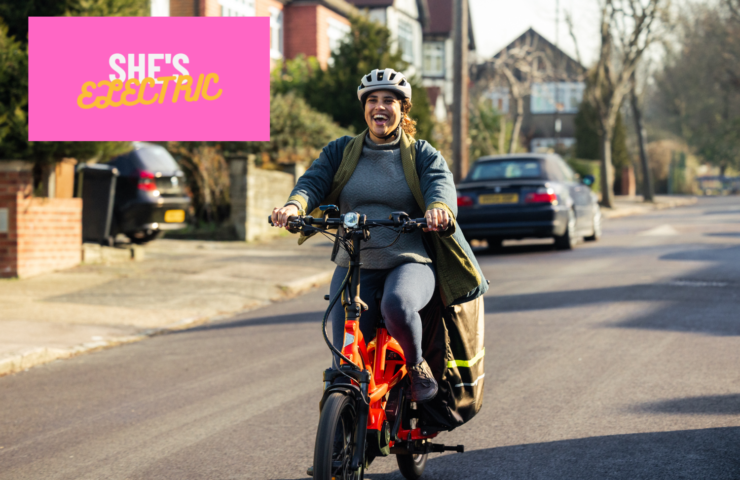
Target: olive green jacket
x: 458, y: 274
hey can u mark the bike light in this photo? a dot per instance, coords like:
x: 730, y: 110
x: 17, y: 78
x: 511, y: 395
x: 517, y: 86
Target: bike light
x: 146, y: 181
x: 543, y: 195
x: 464, y: 201
x: 351, y: 220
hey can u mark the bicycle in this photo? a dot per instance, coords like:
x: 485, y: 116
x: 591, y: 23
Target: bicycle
x: 364, y: 409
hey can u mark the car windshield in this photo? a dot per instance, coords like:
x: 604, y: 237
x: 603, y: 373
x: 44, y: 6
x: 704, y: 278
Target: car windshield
x: 157, y: 159
x: 506, y: 169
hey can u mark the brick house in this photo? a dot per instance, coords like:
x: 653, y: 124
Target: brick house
x: 438, y: 49
x: 308, y: 27
x: 551, y: 108
x: 406, y: 20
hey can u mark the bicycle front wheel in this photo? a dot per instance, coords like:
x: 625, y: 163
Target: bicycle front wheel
x: 336, y: 440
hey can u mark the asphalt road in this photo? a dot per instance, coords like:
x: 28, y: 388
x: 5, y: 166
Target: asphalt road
x: 616, y: 360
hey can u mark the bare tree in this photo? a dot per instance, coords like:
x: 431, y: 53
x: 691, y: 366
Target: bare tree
x: 519, y: 67
x: 628, y: 28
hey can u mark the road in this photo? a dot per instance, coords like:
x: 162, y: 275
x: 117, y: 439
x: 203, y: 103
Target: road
x: 616, y: 360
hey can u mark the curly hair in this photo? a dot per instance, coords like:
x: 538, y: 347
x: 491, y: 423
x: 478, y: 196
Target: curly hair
x: 408, y: 124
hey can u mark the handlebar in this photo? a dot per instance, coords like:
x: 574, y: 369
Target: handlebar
x: 396, y: 219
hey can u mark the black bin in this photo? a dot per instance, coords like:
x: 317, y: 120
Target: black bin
x: 96, y: 185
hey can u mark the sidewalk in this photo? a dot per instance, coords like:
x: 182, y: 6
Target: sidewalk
x: 180, y: 284
x: 627, y: 206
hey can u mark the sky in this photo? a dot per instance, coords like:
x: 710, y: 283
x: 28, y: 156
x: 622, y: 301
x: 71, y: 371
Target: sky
x: 496, y: 23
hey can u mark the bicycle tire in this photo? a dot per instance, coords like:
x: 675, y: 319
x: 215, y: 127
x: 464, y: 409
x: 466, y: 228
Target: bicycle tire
x: 412, y: 466
x: 336, y: 440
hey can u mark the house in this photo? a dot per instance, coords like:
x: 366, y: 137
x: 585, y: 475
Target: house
x: 438, y: 49
x: 406, y: 20
x: 552, y: 101
x: 308, y: 27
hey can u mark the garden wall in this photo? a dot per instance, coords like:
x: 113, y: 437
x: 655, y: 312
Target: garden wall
x: 37, y: 234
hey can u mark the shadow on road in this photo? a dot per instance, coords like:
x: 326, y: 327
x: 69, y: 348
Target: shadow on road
x: 513, y: 250
x: 303, y: 317
x: 704, y: 405
x: 684, y: 454
x: 723, y: 234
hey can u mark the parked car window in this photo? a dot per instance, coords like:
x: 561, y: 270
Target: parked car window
x: 568, y: 174
x: 506, y: 169
x: 157, y: 159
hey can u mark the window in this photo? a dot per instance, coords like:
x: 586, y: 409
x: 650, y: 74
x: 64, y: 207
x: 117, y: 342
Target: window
x: 406, y: 40
x: 434, y: 59
x: 564, y: 97
x: 276, y: 33
x: 237, y: 8
x: 160, y: 8
x: 500, y: 99
x: 336, y: 32
x: 504, y: 169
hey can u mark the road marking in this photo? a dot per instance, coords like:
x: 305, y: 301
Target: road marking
x: 697, y: 283
x: 660, y: 231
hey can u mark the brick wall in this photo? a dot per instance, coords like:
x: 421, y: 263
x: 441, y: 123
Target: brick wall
x: 183, y: 8
x: 300, y: 31
x: 323, y: 50
x: 43, y: 234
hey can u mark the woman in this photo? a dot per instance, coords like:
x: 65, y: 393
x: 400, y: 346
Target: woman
x: 384, y: 170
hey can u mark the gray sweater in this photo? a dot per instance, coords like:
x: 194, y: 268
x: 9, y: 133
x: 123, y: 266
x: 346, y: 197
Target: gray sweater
x: 377, y: 188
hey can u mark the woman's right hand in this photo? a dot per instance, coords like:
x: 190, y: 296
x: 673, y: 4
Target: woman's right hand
x: 280, y: 215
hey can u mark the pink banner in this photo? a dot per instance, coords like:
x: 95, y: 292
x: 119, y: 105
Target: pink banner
x: 149, y: 79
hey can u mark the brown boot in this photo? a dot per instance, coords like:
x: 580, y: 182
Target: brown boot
x: 423, y: 386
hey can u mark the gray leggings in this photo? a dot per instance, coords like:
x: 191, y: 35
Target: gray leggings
x: 406, y: 288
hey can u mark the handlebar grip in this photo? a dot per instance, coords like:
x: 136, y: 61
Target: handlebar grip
x: 269, y: 220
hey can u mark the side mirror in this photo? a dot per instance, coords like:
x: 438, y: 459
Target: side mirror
x: 588, y: 180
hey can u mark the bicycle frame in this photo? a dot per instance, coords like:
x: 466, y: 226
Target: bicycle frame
x: 375, y: 373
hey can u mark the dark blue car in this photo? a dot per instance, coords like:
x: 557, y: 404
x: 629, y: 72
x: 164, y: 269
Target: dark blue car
x: 527, y: 196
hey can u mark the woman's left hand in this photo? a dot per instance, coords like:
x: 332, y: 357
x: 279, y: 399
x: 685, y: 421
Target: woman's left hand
x: 437, y: 220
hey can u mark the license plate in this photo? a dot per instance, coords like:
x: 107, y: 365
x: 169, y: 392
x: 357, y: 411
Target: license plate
x: 498, y: 198
x: 174, y: 216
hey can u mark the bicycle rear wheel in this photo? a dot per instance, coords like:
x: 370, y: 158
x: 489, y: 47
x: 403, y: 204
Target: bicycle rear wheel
x: 336, y: 440
x: 412, y: 466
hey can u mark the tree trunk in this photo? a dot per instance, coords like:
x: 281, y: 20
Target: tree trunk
x: 502, y: 135
x: 517, y: 124
x: 647, y: 180
x: 607, y: 170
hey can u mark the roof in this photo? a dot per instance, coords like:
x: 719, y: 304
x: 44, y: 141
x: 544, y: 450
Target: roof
x: 340, y: 6
x: 441, y: 15
x: 532, y: 31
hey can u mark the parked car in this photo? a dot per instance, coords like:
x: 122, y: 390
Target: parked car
x: 527, y: 196
x: 150, y: 196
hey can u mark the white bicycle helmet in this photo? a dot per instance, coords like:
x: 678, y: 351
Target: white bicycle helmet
x: 387, y: 79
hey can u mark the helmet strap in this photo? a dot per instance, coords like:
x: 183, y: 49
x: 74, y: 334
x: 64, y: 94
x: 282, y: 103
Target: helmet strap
x: 396, y: 131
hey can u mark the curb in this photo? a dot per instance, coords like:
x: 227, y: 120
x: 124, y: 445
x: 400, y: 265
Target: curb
x: 647, y: 208
x: 41, y: 355
x: 301, y: 285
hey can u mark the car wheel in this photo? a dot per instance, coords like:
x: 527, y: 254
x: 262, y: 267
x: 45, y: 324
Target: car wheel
x: 141, y: 238
x: 568, y: 239
x: 494, y: 243
x: 597, y: 227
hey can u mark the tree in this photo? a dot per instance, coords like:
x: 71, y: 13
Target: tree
x: 14, y: 79
x: 588, y: 135
x: 334, y: 90
x: 627, y: 29
x: 697, y: 94
x: 519, y: 67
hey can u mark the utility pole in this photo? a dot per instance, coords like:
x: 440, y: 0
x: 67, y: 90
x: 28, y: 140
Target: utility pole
x: 460, y: 92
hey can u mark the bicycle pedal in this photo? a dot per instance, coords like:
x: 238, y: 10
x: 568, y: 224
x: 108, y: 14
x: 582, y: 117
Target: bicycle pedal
x: 309, y: 472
